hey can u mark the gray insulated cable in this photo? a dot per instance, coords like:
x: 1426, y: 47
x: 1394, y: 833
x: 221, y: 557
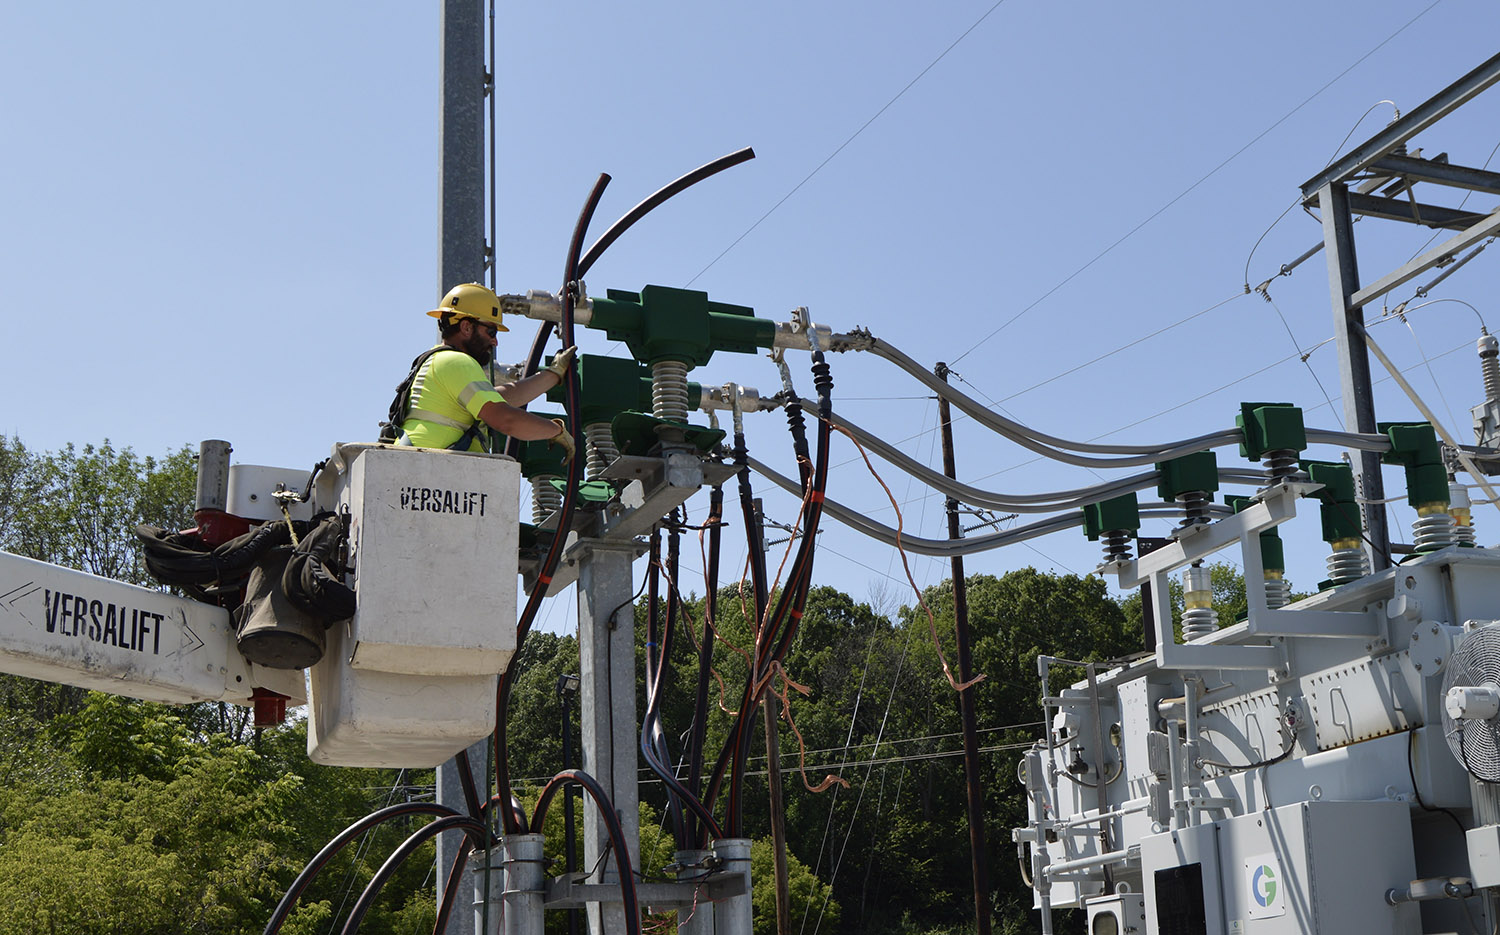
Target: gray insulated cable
x: 1049, y: 445
x: 1356, y: 440
x: 946, y: 548
x: 1024, y: 503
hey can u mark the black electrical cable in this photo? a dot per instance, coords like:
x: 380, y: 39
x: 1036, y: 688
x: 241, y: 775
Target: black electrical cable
x: 475, y: 833
x: 653, y: 741
x: 612, y: 826
x: 1241, y: 767
x: 456, y: 879
x: 570, y: 498
x: 740, y: 735
x: 774, y: 631
x: 466, y: 780
x: 705, y: 654
x: 655, y: 199
x: 331, y: 849
x: 657, y: 687
x: 544, y: 331
x: 1411, y: 770
x: 801, y: 575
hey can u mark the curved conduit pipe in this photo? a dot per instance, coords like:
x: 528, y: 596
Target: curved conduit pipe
x: 474, y: 832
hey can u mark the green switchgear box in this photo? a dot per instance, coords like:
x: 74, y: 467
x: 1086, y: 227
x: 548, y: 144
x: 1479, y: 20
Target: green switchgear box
x: 1272, y: 554
x: 1270, y: 427
x: 1117, y: 513
x: 662, y: 323
x: 1196, y: 471
x: 1340, y: 512
x: 1414, y: 445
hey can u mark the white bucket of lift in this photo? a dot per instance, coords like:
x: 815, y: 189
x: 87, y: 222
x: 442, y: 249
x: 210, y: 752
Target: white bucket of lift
x: 410, y: 680
x: 361, y: 717
x: 433, y: 538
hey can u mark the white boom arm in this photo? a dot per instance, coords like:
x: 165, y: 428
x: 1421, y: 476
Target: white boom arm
x: 61, y: 625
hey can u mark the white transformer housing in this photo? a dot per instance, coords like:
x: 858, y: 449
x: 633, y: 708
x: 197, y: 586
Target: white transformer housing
x: 410, y: 679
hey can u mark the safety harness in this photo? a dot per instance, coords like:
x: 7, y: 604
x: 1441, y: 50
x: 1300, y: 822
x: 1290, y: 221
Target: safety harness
x: 390, y: 430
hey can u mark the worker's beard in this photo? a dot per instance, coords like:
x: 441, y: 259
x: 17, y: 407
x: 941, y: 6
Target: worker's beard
x: 478, y: 347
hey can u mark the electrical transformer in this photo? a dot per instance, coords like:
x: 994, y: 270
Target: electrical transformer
x: 1328, y: 766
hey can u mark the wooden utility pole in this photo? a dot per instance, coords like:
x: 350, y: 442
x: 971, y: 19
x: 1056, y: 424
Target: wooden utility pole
x: 966, y: 712
x: 771, y: 710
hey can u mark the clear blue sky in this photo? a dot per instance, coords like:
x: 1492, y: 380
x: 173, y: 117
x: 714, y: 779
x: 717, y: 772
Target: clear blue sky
x: 221, y: 221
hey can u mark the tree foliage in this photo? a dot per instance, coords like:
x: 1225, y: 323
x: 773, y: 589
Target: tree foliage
x: 124, y: 816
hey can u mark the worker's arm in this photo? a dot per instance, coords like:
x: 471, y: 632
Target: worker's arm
x: 521, y: 392
x: 517, y: 423
x: 524, y: 391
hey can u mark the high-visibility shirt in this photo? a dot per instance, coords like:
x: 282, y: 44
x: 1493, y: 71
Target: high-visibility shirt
x: 446, y: 396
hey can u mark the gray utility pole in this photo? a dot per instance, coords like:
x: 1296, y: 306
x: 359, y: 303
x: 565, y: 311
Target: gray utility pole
x: 1385, y: 177
x: 967, y: 717
x: 461, y: 259
x: 606, y: 650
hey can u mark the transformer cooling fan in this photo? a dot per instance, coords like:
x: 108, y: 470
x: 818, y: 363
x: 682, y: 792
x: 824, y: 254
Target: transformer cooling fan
x: 1471, y: 703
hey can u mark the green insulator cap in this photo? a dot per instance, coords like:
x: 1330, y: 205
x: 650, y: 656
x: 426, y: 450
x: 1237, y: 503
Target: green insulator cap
x: 1270, y: 427
x: 1196, y: 471
x: 1122, y: 512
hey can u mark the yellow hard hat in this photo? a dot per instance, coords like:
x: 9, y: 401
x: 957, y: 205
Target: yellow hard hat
x: 472, y: 300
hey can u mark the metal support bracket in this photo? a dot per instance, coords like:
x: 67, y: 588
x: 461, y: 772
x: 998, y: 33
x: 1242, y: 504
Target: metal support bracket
x: 566, y: 892
x: 1275, y: 506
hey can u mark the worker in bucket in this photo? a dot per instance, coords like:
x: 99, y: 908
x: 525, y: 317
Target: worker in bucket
x: 447, y: 401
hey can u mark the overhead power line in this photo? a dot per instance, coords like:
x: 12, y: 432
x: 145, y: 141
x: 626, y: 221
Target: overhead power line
x: 852, y: 137
x: 1205, y: 177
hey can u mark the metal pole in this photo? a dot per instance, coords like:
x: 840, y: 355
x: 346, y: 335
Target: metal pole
x: 460, y: 259
x: 966, y: 712
x: 525, y: 883
x: 461, y: 204
x: 697, y: 919
x: 1354, y: 362
x: 732, y: 916
x: 606, y: 657
x: 567, y: 687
